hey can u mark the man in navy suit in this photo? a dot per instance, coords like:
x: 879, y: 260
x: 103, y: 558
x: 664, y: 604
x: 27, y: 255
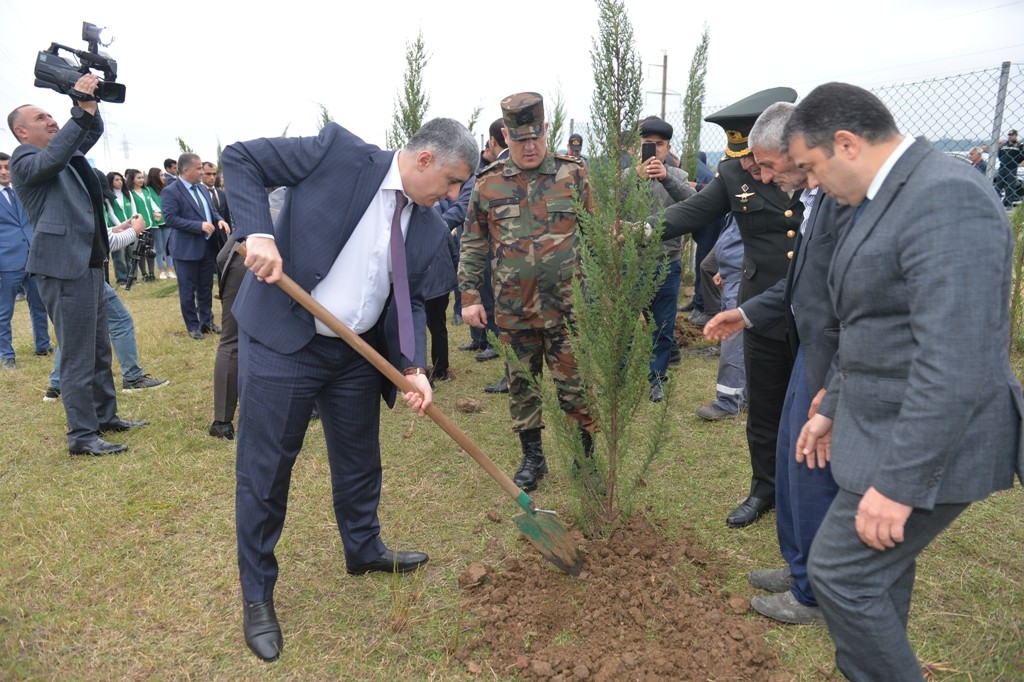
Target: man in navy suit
x: 333, y: 236
x: 189, y: 212
x: 15, y: 238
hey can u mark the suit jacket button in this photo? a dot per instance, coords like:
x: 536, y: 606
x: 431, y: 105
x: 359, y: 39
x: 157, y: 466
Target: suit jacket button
x: 318, y: 276
x: 789, y: 255
x: 791, y: 234
x: 788, y: 213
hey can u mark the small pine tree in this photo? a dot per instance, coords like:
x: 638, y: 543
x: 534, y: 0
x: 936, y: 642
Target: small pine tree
x: 412, y: 103
x: 556, y: 117
x: 324, y: 118
x: 611, y: 344
x: 474, y: 118
x: 185, y: 149
x: 694, y: 103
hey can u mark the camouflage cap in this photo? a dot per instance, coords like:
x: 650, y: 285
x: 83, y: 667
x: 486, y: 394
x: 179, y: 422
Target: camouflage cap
x: 523, y: 114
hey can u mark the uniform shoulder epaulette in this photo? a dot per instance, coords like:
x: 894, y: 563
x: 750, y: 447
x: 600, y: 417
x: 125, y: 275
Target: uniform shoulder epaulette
x: 489, y: 167
x: 566, y: 157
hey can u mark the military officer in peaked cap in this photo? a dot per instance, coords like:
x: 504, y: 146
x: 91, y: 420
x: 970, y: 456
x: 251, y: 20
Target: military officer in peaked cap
x: 769, y: 219
x: 522, y: 217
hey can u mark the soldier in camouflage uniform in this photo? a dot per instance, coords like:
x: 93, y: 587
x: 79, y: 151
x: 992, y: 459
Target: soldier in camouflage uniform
x: 522, y: 217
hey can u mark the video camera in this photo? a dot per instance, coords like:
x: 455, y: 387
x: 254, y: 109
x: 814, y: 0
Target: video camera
x: 143, y: 249
x: 59, y: 73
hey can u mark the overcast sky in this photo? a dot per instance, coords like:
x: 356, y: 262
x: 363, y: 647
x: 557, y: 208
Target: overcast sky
x: 224, y: 71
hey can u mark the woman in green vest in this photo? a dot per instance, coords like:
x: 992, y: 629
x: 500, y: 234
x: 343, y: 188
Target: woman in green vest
x: 135, y: 183
x: 118, y: 210
x: 154, y: 187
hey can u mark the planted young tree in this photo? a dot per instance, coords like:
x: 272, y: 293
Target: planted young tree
x: 185, y: 149
x: 618, y: 266
x: 412, y: 103
x: 693, y: 104
x: 474, y: 117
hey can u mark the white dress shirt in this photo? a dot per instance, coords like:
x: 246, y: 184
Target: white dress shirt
x: 357, y: 285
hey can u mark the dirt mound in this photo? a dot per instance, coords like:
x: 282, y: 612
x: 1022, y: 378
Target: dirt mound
x: 644, y: 608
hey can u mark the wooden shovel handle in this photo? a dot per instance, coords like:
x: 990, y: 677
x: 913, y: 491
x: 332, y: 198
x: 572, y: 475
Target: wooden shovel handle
x: 394, y: 376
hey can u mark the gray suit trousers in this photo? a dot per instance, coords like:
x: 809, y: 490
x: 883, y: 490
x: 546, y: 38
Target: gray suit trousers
x: 78, y: 308
x: 865, y: 594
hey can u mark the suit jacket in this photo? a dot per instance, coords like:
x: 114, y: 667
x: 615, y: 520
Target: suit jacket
x: 768, y: 220
x: 187, y: 240
x: 60, y: 207
x: 926, y: 406
x: 331, y: 178
x: 802, y: 299
x: 15, y: 234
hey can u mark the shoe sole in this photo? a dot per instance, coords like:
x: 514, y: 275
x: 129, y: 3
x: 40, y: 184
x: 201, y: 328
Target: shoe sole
x: 48, y: 399
x: 144, y: 388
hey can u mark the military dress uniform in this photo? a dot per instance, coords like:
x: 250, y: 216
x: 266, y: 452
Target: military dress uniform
x: 525, y: 222
x: 769, y: 221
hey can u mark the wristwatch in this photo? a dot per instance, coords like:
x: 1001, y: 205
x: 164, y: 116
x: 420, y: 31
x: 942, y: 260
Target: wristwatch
x: 78, y: 113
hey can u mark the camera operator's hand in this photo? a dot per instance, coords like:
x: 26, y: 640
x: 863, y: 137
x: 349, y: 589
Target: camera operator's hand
x: 87, y: 85
x: 137, y: 223
x: 224, y: 226
x: 263, y: 258
x: 208, y: 228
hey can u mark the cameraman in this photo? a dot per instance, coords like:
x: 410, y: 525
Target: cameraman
x: 63, y: 199
x: 122, y: 327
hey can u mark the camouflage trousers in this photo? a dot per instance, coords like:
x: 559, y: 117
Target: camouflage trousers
x: 532, y: 347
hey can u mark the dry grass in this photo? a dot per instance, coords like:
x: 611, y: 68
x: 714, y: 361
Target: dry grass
x: 124, y: 567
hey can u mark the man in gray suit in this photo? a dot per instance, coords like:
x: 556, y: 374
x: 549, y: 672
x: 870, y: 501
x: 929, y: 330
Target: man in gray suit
x: 64, y: 203
x: 923, y: 409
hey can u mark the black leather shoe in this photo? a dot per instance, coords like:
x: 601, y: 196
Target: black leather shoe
x: 223, y: 430
x: 486, y: 354
x: 262, y: 631
x: 121, y: 425
x: 749, y: 511
x: 500, y: 387
x: 472, y: 345
x: 197, y: 335
x: 98, y: 447
x: 210, y: 329
x: 44, y: 353
x: 657, y: 393
x: 391, y: 562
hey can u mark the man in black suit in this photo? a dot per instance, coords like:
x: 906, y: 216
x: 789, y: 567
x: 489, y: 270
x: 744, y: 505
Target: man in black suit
x: 217, y: 196
x: 768, y: 220
x: 64, y: 201
x: 342, y: 235
x: 170, y: 171
x: 189, y: 212
x: 802, y: 494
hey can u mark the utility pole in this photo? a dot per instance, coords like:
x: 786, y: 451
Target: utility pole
x: 664, y: 92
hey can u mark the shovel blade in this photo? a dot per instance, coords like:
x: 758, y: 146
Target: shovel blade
x: 551, y: 539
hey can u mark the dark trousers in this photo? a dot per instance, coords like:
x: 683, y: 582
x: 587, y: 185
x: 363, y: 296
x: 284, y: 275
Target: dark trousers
x: 277, y: 393
x: 78, y: 308
x: 768, y: 364
x: 225, y: 366
x: 802, y: 495
x: 704, y: 240
x: 663, y: 310
x: 436, y: 309
x: 865, y: 594
x: 479, y: 336
x: 195, y: 291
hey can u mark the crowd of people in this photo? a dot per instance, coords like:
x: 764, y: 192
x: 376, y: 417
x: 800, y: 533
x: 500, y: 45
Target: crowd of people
x: 829, y: 278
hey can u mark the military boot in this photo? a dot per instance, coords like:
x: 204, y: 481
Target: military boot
x: 533, y: 466
x: 588, y: 467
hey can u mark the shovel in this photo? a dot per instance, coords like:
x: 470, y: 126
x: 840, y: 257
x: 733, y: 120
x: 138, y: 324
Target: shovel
x: 539, y: 526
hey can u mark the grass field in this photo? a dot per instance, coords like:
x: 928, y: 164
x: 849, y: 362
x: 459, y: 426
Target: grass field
x: 124, y: 567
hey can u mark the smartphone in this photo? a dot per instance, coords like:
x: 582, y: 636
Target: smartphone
x: 646, y: 151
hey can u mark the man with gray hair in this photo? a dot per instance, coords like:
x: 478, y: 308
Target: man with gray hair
x: 802, y: 494
x: 353, y: 215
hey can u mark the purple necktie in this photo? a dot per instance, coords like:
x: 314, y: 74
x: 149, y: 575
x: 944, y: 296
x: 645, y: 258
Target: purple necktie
x: 400, y: 279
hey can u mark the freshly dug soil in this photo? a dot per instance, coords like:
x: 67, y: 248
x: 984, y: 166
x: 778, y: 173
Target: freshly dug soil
x: 644, y: 608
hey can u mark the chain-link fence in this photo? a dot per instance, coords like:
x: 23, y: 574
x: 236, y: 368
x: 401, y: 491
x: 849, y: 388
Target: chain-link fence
x: 955, y: 113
